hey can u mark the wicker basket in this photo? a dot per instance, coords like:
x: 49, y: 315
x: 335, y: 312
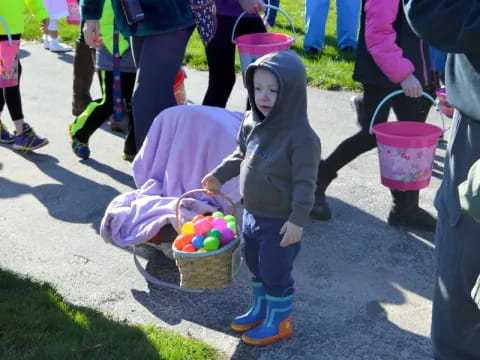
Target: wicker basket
x: 212, y: 270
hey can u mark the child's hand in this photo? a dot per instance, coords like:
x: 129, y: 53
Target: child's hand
x: 291, y: 234
x: 411, y: 86
x: 44, y: 25
x: 211, y: 184
x: 91, y: 32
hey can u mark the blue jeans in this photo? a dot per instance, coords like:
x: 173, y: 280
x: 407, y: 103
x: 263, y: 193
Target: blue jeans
x: 316, y: 13
x: 268, y: 262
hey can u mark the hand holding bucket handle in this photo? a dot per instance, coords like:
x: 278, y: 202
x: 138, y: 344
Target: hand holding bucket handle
x: 268, y: 6
x: 397, y: 92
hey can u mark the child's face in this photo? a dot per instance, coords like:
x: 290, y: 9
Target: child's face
x: 266, y: 90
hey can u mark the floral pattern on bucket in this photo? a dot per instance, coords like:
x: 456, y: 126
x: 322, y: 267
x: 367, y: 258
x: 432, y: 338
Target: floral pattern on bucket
x: 406, y: 164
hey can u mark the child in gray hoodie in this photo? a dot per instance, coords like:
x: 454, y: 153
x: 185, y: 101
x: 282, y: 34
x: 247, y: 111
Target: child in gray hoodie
x: 277, y: 158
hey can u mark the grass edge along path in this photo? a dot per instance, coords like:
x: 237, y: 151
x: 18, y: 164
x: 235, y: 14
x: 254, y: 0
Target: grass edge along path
x: 36, y: 323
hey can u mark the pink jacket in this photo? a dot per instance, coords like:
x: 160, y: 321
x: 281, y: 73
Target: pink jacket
x: 380, y: 38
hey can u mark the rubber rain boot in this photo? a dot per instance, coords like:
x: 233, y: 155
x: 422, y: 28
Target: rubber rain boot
x: 277, y: 324
x: 406, y: 212
x: 256, y: 314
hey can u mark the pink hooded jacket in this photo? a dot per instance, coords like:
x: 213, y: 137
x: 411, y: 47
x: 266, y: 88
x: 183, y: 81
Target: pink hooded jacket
x: 380, y: 38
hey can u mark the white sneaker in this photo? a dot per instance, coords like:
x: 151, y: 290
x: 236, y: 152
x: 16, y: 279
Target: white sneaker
x: 57, y: 46
x: 46, y: 42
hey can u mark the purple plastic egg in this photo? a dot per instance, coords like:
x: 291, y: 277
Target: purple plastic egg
x: 227, y: 236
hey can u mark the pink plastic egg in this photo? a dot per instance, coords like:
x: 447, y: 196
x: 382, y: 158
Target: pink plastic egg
x: 202, y: 226
x: 219, y: 223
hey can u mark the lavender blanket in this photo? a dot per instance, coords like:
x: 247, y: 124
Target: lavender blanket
x: 182, y: 145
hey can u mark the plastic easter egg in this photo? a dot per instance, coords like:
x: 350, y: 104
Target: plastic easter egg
x: 197, y: 217
x: 187, y: 228
x: 211, y: 243
x: 197, y: 241
x: 219, y: 223
x: 182, y: 240
x: 209, y: 217
x: 232, y: 226
x: 218, y: 214
x: 202, y: 226
x: 229, y: 218
x: 214, y: 232
x: 189, y: 248
x: 202, y: 250
x: 227, y: 236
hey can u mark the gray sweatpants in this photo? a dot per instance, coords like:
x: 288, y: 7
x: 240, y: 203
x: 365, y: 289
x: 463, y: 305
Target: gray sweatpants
x: 455, y: 315
x: 157, y: 59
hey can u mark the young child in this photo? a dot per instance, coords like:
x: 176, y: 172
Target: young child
x: 97, y: 112
x: 389, y: 57
x: 24, y: 138
x: 277, y: 158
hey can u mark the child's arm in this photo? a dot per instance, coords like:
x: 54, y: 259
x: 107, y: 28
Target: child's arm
x: 380, y: 38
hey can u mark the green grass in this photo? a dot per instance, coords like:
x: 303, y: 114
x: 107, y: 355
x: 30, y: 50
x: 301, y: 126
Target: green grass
x: 36, y: 323
x: 331, y: 70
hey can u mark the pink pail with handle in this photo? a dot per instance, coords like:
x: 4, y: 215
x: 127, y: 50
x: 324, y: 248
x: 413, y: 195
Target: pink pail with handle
x: 8, y: 59
x: 406, y: 150
x: 253, y: 46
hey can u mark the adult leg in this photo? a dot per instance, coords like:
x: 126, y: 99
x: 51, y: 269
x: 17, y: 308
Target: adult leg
x: 455, y: 315
x: 128, y: 83
x: 405, y: 210
x: 348, y: 16
x: 316, y: 13
x: 350, y: 148
x: 158, y: 59
x: 221, y: 58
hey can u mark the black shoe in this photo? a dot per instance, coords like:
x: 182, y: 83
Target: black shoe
x: 415, y: 218
x: 321, y: 210
x: 349, y: 49
x: 312, y: 52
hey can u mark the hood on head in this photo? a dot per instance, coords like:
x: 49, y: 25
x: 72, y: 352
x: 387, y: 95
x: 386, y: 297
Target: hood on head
x: 291, y: 105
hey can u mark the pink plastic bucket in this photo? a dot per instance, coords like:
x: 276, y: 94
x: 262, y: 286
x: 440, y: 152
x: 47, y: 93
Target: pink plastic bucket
x: 445, y: 107
x: 253, y: 46
x: 73, y: 17
x: 406, y: 151
x: 8, y: 59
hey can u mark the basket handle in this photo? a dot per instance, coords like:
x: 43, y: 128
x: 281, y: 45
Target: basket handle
x: 396, y: 92
x: 268, y: 6
x: 7, y: 29
x: 232, y: 204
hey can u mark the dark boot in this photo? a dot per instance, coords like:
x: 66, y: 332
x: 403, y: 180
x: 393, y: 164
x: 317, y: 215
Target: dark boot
x: 83, y: 71
x: 406, y: 212
x: 321, y: 210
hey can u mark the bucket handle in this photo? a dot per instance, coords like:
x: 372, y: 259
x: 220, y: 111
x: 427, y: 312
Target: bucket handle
x: 7, y: 29
x: 269, y: 7
x: 396, y: 92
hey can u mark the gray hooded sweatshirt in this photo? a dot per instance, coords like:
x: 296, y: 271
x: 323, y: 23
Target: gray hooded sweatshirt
x: 277, y: 156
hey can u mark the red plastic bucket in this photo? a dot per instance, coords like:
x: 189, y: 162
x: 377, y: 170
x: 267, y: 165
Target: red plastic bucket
x: 73, y: 17
x: 179, y: 88
x: 8, y: 59
x: 406, y: 150
x: 253, y: 46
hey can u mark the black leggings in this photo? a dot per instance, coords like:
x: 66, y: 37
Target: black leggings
x: 12, y: 96
x: 405, y: 108
x: 221, y: 57
x: 98, y: 116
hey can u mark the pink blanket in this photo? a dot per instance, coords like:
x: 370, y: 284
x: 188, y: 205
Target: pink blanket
x: 182, y: 145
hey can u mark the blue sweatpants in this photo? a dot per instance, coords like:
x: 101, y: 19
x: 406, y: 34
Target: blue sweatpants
x: 268, y: 262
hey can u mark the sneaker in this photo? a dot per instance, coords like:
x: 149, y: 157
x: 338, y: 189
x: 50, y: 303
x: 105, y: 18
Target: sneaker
x: 57, y: 46
x: 128, y: 157
x: 80, y: 149
x: 46, y: 42
x: 27, y: 140
x: 5, y: 136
